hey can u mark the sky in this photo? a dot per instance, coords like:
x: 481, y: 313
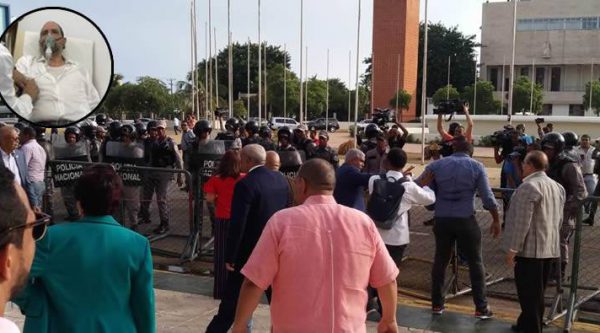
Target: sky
x: 151, y: 37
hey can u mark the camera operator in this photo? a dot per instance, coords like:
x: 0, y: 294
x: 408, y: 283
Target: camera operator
x: 528, y: 139
x: 395, y: 140
x: 545, y: 130
x: 455, y: 129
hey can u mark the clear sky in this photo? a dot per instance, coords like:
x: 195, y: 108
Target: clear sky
x: 151, y: 37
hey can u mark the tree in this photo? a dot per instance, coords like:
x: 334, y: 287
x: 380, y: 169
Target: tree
x: 595, y: 96
x: 276, y: 91
x: 239, y: 109
x: 316, y: 95
x: 338, y: 99
x: 402, y: 98
x: 486, y: 104
x: 443, y: 42
x: 148, y: 95
x: 444, y: 93
x: 522, y: 96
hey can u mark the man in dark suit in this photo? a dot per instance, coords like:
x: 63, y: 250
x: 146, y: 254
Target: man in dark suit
x: 11, y: 158
x: 256, y: 198
x: 350, y: 182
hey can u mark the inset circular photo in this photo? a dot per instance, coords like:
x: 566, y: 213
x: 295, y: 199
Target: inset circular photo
x: 56, y: 67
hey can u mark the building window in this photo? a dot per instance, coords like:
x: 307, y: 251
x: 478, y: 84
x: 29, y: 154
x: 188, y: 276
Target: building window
x: 494, y: 77
x: 525, y: 71
x: 540, y: 75
x: 590, y: 23
x: 576, y: 110
x: 539, y: 25
x: 556, y: 24
x: 525, y: 25
x: 555, y: 80
x: 573, y: 24
x: 546, y: 110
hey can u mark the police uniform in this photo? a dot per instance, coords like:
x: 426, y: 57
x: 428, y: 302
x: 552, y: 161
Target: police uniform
x: 48, y: 199
x: 268, y: 144
x: 328, y: 154
x: 368, y: 145
x: 68, y: 192
x: 254, y: 139
x: 94, y: 149
x: 288, y: 148
x: 160, y: 153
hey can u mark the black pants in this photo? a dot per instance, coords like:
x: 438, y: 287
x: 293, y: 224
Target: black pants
x: 466, y: 233
x: 224, y: 318
x: 397, y: 253
x: 531, y: 277
x: 594, y: 204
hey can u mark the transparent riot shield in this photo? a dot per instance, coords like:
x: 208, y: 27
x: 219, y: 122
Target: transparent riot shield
x: 291, y: 162
x: 124, y: 158
x: 69, y: 162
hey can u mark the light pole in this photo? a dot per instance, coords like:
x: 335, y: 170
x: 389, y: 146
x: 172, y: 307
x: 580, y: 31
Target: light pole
x: 301, y: 60
x: 424, y: 86
x: 356, y: 78
x: 284, y: 81
x: 512, y: 65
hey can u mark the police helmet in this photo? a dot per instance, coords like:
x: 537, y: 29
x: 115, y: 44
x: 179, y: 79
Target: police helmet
x: 101, y: 119
x: 371, y: 131
x: 128, y: 129
x: 553, y: 140
x: 264, y: 132
x: 251, y: 127
x: 88, y: 128
x: 571, y: 139
x: 40, y: 132
x: 232, y: 124
x: 203, y: 126
x: 140, y: 128
x: 284, y: 131
x: 151, y: 125
x: 114, y: 129
x: 73, y: 130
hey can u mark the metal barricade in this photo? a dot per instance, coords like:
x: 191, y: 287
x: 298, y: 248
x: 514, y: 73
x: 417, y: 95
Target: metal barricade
x: 585, y: 280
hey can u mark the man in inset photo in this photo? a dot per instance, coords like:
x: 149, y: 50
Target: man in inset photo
x: 66, y: 91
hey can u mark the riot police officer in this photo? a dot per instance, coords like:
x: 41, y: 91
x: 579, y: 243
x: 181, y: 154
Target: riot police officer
x: 265, y: 138
x: 114, y: 130
x: 42, y: 140
x: 140, y: 130
x: 251, y: 132
x: 73, y: 139
x: 232, y: 126
x: 88, y: 128
x: 283, y: 136
x: 565, y: 170
x: 162, y: 154
x: 571, y: 141
x: 302, y: 143
x: 101, y: 119
x: 371, y: 132
x: 202, y: 131
x: 325, y: 152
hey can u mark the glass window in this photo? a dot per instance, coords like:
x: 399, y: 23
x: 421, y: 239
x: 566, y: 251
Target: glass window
x: 573, y: 23
x: 539, y: 24
x: 556, y: 24
x: 540, y: 75
x: 525, y: 25
x: 494, y: 77
x: 576, y: 110
x: 555, y: 79
x: 546, y: 110
x: 525, y: 71
x: 590, y: 23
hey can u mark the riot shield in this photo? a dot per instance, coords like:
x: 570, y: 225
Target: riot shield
x: 291, y: 162
x: 69, y: 162
x: 124, y: 158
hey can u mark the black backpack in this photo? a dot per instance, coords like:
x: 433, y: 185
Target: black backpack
x: 385, y: 201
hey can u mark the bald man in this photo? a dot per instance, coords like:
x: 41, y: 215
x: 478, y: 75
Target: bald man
x: 67, y: 93
x: 273, y: 161
x: 303, y: 254
x: 256, y: 198
x: 532, y: 238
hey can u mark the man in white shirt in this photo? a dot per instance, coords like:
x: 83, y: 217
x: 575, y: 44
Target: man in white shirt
x: 397, y: 238
x: 176, y: 124
x: 67, y: 93
x: 23, y: 103
x: 586, y: 155
x: 17, y: 244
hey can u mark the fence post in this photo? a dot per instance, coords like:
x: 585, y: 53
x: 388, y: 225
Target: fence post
x: 574, y: 271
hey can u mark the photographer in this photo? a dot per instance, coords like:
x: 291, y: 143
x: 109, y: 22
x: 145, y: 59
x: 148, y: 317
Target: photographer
x: 455, y: 129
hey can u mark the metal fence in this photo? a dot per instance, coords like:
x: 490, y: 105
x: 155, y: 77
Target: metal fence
x: 579, y: 291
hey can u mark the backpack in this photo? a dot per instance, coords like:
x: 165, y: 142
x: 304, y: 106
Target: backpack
x: 385, y: 201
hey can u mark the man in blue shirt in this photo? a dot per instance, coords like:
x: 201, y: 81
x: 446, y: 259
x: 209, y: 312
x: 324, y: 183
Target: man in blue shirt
x: 350, y: 183
x: 457, y: 178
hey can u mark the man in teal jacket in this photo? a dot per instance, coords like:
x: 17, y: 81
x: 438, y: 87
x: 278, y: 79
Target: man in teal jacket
x: 91, y: 275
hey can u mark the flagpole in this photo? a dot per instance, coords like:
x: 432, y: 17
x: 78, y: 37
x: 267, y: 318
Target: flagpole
x: 301, y: 60
x: 216, y: 70
x: 248, y: 80
x: 230, y: 61
x: 356, y: 78
x: 424, y: 85
x: 284, y: 81
x: 532, y: 86
x: 259, y: 68
x: 349, y: 84
x: 206, y: 82
x: 327, y: 96
x: 512, y: 66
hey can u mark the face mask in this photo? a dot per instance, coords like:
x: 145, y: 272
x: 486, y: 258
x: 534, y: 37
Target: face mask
x: 50, y: 46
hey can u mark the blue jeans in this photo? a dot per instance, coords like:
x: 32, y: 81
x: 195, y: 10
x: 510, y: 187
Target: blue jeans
x: 35, y: 193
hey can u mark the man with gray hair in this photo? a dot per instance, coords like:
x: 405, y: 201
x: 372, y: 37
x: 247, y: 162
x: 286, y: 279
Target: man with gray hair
x: 256, y: 198
x: 67, y: 92
x: 350, y: 182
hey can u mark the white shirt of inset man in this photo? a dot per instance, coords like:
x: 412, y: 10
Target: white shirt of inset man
x: 22, y: 104
x: 66, y: 94
x: 7, y: 326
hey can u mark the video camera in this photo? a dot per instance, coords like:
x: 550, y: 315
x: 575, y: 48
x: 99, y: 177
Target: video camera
x: 539, y: 120
x: 383, y: 116
x: 450, y: 106
x: 222, y: 113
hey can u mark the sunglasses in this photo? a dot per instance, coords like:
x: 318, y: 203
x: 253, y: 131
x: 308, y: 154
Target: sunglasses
x: 39, y: 226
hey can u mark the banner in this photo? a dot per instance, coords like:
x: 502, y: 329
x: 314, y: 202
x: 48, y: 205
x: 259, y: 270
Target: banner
x: 291, y: 162
x: 65, y: 173
x: 205, y: 158
x: 124, y: 158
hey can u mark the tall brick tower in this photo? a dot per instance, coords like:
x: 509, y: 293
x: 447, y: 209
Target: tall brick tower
x: 395, y: 32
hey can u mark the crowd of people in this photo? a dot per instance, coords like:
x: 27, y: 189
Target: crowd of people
x: 348, y: 222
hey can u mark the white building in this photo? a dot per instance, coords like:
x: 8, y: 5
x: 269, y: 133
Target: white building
x: 562, y: 39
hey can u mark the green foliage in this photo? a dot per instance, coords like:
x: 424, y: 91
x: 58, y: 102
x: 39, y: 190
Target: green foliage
x: 595, y: 96
x: 403, y: 99
x: 443, y: 93
x: 316, y: 95
x: 276, y: 91
x: 522, y: 96
x: 239, y: 109
x: 148, y: 95
x: 486, y: 104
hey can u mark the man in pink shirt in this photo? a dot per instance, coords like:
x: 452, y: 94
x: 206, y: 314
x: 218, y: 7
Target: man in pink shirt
x: 35, y: 158
x: 319, y: 257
